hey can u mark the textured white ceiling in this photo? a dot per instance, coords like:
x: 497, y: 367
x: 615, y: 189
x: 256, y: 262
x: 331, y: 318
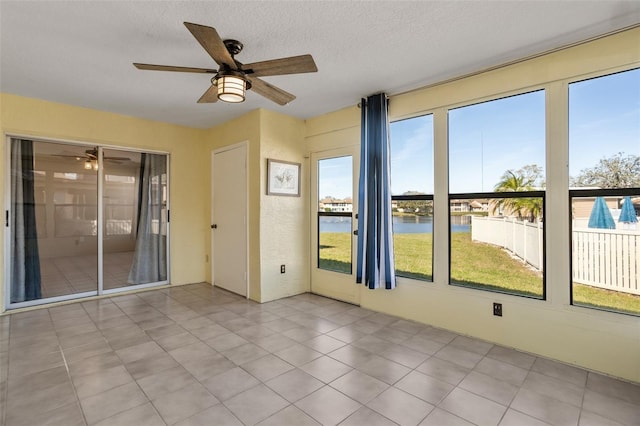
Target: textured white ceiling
x: 81, y: 52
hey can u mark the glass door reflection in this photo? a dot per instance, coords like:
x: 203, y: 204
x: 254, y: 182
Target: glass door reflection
x: 53, y: 224
x: 335, y: 214
x: 135, y: 218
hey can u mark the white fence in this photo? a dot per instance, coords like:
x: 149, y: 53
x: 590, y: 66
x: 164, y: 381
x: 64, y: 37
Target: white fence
x: 602, y: 258
x: 523, y: 239
x: 607, y: 258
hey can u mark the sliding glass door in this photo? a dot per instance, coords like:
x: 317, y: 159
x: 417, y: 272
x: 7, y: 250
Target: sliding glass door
x: 83, y: 221
x: 135, y: 218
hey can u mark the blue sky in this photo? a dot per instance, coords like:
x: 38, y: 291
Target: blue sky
x: 412, y: 155
x: 335, y: 177
x: 604, y: 119
x: 489, y: 138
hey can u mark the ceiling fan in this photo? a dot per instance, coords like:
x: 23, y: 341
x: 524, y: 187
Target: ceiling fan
x: 89, y: 154
x: 231, y: 81
x: 90, y: 158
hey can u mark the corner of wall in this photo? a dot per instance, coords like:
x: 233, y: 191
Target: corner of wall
x: 244, y: 128
x: 284, y: 220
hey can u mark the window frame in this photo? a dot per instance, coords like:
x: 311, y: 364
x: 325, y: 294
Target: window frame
x: 544, y: 88
x: 591, y: 192
x: 503, y: 195
x: 418, y: 197
x: 582, y: 193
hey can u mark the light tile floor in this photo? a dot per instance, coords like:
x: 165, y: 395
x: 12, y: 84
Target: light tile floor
x: 67, y: 275
x: 194, y: 355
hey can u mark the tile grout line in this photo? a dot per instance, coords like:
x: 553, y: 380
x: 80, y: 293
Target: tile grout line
x: 584, y: 393
x: 260, y: 381
x: 393, y: 385
x: 66, y: 366
x: 167, y: 352
x: 124, y: 364
x: 309, y: 324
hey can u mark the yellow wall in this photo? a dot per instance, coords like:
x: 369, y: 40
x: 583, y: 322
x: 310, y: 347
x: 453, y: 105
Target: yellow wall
x: 189, y: 163
x: 597, y: 340
x: 278, y: 226
x: 245, y: 128
x: 284, y: 221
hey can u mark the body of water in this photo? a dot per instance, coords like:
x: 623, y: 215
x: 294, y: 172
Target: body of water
x: 401, y: 224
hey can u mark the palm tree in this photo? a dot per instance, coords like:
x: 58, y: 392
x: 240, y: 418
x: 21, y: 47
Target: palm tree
x: 511, y: 181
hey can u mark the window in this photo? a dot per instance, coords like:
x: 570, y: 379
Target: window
x: 496, y: 195
x: 604, y: 170
x: 335, y: 209
x: 412, y: 196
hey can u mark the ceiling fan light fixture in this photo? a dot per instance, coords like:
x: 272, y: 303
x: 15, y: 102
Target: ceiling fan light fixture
x: 90, y: 164
x: 231, y: 87
x: 231, y: 83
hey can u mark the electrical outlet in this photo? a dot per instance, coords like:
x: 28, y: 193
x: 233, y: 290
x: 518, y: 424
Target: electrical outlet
x: 282, y: 269
x: 497, y: 309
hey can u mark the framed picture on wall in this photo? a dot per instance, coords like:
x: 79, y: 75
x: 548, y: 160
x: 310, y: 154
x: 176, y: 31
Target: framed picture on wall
x: 283, y: 178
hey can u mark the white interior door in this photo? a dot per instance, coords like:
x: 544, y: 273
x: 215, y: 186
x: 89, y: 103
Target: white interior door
x: 229, y: 219
x: 334, y: 207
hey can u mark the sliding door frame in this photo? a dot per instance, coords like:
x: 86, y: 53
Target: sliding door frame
x: 100, y: 220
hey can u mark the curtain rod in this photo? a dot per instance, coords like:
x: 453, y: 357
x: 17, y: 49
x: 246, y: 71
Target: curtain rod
x: 359, y: 104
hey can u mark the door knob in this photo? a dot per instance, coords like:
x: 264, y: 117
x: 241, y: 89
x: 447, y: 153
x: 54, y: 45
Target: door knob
x: 214, y: 226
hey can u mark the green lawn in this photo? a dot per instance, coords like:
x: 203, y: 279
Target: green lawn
x: 585, y: 295
x: 473, y: 264
x: 483, y: 265
x: 335, y: 251
x: 413, y: 255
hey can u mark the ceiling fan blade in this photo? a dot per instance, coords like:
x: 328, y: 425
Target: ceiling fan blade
x: 67, y: 156
x: 117, y: 158
x: 210, y: 96
x: 151, y: 67
x: 211, y: 42
x: 291, y: 65
x: 270, y: 91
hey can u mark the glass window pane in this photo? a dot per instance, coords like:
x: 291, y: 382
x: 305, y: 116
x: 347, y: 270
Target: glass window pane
x: 413, y: 239
x: 604, y: 131
x: 604, y: 159
x: 411, y: 143
x: 489, y: 139
x: 56, y: 255
x: 497, y: 241
x: 335, y: 208
x: 135, y: 218
x: 605, y: 262
x: 494, y: 252
x: 120, y: 202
